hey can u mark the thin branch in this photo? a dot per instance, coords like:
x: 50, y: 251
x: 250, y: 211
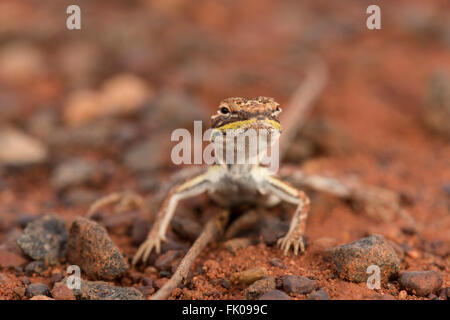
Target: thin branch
x: 213, y: 229
x: 301, y: 102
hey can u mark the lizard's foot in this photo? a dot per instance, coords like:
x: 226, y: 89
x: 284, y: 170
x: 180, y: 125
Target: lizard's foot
x: 291, y: 240
x: 122, y: 201
x: 153, y: 242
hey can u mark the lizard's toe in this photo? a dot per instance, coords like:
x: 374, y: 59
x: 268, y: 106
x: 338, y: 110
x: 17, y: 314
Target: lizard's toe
x: 296, y: 242
x: 153, y: 242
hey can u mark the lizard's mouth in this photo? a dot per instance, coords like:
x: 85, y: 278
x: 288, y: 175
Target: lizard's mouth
x: 259, y: 128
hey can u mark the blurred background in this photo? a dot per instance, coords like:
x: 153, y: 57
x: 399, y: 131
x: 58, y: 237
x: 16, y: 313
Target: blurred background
x: 87, y: 112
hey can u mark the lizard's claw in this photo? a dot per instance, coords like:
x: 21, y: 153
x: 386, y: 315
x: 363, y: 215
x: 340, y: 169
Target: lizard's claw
x: 153, y: 241
x: 291, y: 240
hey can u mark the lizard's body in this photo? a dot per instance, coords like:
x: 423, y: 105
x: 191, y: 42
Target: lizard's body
x: 231, y: 184
x: 234, y: 184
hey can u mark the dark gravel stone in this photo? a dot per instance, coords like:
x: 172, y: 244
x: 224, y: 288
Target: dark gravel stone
x: 35, y: 267
x: 25, y: 280
x: 120, y: 223
x: 350, y: 261
x: 421, y: 283
x: 275, y: 295
x: 100, y: 290
x: 260, y: 287
x: 90, y: 247
x: 165, y: 274
x: 276, y: 263
x: 318, y: 295
x: 272, y: 230
x: 139, y: 231
x: 446, y: 189
x: 233, y: 245
x: 299, y: 284
x: 57, y: 277
x: 145, y: 290
x: 225, y: 283
x: 444, y: 293
x: 186, y: 228
x: 165, y: 261
x: 36, y: 289
x: 147, y: 282
x: 45, y: 239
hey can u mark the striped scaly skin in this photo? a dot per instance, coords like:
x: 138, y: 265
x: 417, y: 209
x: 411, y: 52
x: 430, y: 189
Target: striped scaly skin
x: 229, y: 184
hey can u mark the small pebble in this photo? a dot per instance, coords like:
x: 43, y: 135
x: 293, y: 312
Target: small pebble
x: 276, y: 263
x: 100, y: 290
x: 146, y: 291
x: 444, y: 293
x: 299, y: 284
x: 164, y: 261
x: 57, y: 277
x: 35, y: 267
x: 90, y: 247
x: 235, y: 244
x: 275, y: 295
x: 41, y: 297
x: 147, y: 282
x: 414, y: 254
x: 318, y: 295
x: 139, y: 231
x: 260, y: 287
x: 402, y: 295
x: 36, y: 289
x: 225, y: 283
x: 421, y: 283
x: 60, y: 291
x: 165, y: 273
x: 25, y: 280
x: 160, y: 282
x: 45, y: 239
x: 19, y: 291
x: 249, y: 276
x: 150, y: 270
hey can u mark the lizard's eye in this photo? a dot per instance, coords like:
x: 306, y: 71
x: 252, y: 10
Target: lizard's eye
x: 224, y: 110
x: 277, y: 110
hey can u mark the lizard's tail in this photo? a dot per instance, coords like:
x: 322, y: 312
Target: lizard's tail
x: 301, y: 102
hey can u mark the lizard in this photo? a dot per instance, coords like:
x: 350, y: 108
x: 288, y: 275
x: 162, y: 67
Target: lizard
x: 233, y: 184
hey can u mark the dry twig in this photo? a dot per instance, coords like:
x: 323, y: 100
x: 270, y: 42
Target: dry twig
x: 214, y: 228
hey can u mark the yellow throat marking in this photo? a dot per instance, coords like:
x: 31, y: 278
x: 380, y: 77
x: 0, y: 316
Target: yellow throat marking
x: 245, y: 123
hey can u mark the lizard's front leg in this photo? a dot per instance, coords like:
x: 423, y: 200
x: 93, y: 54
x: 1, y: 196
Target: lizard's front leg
x: 157, y: 234
x: 376, y: 201
x: 294, y: 237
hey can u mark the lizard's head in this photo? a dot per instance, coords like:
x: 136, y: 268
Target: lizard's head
x: 237, y: 115
x: 241, y: 117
